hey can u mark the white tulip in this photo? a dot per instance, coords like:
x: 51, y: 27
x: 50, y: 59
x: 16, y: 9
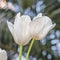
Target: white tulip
x: 3, y: 54
x: 20, y: 29
x: 40, y: 26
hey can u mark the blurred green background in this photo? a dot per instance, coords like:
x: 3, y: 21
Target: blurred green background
x: 46, y: 49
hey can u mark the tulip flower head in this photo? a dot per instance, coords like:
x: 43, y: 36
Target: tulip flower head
x: 40, y: 26
x: 23, y: 29
x: 20, y: 29
x: 3, y: 54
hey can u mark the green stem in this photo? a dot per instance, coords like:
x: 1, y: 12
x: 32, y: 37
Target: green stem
x: 20, y: 54
x: 31, y: 44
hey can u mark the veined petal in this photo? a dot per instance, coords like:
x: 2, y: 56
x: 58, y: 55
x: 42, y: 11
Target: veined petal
x: 36, y: 26
x: 53, y: 25
x: 38, y: 16
x: 11, y: 27
x: 17, y: 19
x: 47, y: 20
x: 23, y: 30
x: 24, y: 21
x: 17, y: 23
x: 44, y: 32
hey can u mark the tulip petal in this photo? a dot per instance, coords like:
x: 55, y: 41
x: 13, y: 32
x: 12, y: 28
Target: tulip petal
x: 45, y: 31
x: 25, y: 19
x: 10, y: 26
x: 17, y: 18
x: 22, y: 29
x: 47, y: 20
x: 38, y: 16
x: 36, y: 26
x: 40, y: 27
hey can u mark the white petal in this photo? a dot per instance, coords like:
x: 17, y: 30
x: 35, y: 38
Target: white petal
x: 22, y: 30
x: 40, y: 26
x: 17, y: 18
x: 47, y: 20
x: 45, y: 31
x: 17, y: 23
x: 38, y: 16
x: 36, y: 26
x: 46, y: 28
x: 11, y: 27
x: 53, y: 25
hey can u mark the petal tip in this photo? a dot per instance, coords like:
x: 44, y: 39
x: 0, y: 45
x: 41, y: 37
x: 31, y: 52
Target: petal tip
x: 40, y: 15
x: 54, y: 24
x: 7, y: 22
x: 18, y: 14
